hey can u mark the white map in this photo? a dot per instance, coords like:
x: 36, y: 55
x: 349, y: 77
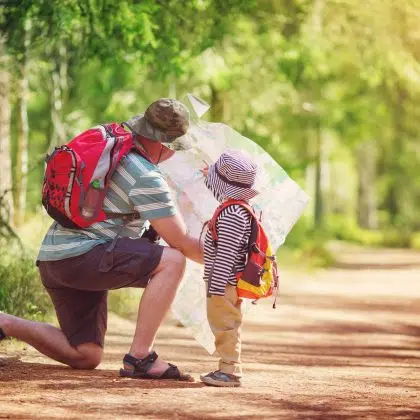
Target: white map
x: 281, y: 200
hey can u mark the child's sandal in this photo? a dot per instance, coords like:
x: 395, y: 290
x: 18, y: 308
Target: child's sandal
x: 219, y: 378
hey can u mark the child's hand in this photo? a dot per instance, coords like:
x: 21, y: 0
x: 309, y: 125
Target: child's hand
x: 205, y: 170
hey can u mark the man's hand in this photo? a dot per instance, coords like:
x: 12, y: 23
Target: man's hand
x: 174, y: 232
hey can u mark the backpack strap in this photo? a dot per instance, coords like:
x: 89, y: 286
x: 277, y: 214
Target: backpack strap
x: 126, y: 217
x: 137, y: 147
x: 255, y: 222
x: 212, y: 222
x: 107, y: 132
x: 105, y: 163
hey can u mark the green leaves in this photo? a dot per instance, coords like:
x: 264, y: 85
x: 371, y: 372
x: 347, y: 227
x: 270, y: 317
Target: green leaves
x: 163, y: 35
x: 21, y: 290
x: 284, y: 72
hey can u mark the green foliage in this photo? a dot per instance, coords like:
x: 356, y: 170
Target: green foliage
x: 397, y: 239
x: 22, y: 293
x: 160, y: 35
x: 310, y: 81
x: 306, y: 247
x: 346, y: 229
x: 21, y: 290
x: 314, y: 253
x: 125, y: 302
x: 415, y: 240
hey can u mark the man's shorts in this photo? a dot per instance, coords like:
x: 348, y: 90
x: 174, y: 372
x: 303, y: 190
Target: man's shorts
x: 78, y: 286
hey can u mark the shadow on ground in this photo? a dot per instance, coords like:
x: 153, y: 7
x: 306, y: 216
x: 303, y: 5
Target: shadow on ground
x: 331, y: 351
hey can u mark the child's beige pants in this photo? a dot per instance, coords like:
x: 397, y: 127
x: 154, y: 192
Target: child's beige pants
x: 224, y: 314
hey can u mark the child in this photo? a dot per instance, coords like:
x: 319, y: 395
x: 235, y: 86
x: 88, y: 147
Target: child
x: 232, y: 177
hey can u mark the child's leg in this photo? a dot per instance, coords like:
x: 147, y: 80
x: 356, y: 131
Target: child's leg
x: 224, y: 314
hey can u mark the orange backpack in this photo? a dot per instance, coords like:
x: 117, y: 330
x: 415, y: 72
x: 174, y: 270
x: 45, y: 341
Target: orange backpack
x: 260, y: 277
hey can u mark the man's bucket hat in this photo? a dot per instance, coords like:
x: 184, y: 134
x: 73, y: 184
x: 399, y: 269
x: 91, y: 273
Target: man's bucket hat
x: 165, y: 121
x: 232, y: 176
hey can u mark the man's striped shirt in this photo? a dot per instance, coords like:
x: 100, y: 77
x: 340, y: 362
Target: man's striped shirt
x: 136, y: 186
x: 222, y: 262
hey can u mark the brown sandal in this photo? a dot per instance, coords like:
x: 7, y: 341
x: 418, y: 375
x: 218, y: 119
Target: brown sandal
x: 141, y: 369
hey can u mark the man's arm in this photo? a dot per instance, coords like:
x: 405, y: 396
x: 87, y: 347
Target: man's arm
x: 173, y: 231
x: 151, y: 198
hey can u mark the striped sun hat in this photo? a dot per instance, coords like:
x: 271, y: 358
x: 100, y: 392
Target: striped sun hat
x: 232, y: 177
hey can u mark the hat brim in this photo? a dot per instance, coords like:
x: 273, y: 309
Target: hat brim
x: 222, y: 190
x: 140, y: 126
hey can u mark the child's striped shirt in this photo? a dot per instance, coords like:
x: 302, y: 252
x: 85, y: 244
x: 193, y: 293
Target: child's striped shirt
x: 221, y: 263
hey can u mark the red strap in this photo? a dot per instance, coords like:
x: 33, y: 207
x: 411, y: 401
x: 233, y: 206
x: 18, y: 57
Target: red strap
x: 212, y: 222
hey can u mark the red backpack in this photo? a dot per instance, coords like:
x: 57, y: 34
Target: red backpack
x: 78, y: 174
x: 260, y: 277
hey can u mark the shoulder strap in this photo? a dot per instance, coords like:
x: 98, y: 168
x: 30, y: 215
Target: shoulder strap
x: 126, y: 217
x: 108, y: 129
x: 136, y: 147
x: 245, y: 205
x: 212, y: 221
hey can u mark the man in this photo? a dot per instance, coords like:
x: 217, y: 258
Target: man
x: 78, y: 267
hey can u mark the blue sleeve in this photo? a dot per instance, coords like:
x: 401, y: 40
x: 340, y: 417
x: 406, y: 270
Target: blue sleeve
x: 151, y: 196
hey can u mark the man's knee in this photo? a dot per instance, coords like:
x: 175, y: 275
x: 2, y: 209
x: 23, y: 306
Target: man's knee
x: 173, y: 260
x: 90, y: 356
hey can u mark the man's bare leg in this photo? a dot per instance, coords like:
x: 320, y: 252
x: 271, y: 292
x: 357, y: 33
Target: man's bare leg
x: 51, y: 342
x: 153, y: 307
x: 155, y: 302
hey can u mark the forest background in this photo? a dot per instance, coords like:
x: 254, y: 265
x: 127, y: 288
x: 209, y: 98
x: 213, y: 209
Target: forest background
x: 330, y: 88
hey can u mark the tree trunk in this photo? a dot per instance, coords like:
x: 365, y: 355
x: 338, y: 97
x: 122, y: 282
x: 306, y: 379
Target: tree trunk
x: 319, y: 210
x: 22, y: 132
x: 319, y: 196
x: 59, y: 93
x: 317, y: 16
x: 366, y: 199
x: 6, y: 197
x: 394, y: 166
x: 398, y: 95
x: 219, y: 109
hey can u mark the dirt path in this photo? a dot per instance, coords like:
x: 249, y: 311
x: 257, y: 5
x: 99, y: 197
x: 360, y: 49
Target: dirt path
x: 343, y: 344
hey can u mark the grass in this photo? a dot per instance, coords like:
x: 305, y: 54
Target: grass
x: 22, y: 293
x: 32, y: 232
x: 415, y: 240
x: 346, y: 229
x: 125, y: 302
x: 21, y: 290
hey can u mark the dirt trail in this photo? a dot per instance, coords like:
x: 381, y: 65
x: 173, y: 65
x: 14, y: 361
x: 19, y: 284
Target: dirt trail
x: 343, y: 344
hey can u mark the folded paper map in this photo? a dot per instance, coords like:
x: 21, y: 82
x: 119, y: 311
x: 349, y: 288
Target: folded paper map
x: 281, y: 200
